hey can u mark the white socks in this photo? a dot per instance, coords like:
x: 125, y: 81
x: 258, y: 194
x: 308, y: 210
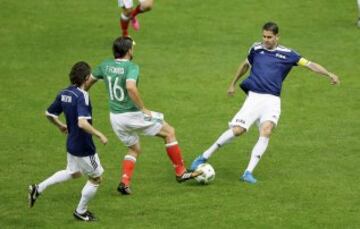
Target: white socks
x: 58, y: 177
x: 257, y: 152
x: 87, y: 193
x: 226, y: 137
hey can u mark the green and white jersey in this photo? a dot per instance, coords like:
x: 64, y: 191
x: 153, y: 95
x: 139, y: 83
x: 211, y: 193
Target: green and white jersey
x: 115, y: 73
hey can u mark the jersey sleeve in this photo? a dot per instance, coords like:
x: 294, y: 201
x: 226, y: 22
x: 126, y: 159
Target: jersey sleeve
x: 250, y: 56
x: 133, y: 73
x: 295, y: 58
x: 83, y: 107
x: 98, y: 73
x: 55, y: 109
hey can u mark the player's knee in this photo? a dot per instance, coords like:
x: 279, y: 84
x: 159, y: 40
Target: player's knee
x: 266, y: 133
x: 147, y: 5
x: 76, y: 175
x: 134, y: 152
x: 266, y: 130
x: 168, y: 131
x: 171, y: 132
x: 238, y: 130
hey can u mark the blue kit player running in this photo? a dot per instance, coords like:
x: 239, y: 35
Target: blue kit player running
x: 269, y: 64
x: 82, y: 158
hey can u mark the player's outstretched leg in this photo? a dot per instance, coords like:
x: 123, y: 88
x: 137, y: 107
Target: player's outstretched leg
x: 224, y: 138
x: 33, y: 194
x: 134, y: 21
x: 36, y: 189
x: 141, y: 8
x: 173, y: 150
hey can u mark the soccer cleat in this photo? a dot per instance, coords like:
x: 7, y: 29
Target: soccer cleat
x: 199, y: 160
x: 248, y: 177
x: 86, y: 216
x: 124, y: 189
x: 33, y: 194
x: 187, y: 175
x: 135, y: 24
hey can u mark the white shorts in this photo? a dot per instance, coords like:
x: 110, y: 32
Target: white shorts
x: 88, y: 165
x: 127, y: 3
x: 257, y: 107
x: 127, y: 126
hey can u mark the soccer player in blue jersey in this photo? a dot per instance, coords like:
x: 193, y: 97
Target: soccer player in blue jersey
x: 269, y: 64
x: 82, y: 158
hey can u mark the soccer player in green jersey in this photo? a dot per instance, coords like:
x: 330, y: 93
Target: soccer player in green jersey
x: 128, y: 114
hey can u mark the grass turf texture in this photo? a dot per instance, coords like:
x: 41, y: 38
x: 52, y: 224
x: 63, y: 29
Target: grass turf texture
x: 188, y: 52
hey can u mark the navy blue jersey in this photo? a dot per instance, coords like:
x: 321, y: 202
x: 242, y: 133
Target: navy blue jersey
x: 269, y: 69
x: 75, y: 103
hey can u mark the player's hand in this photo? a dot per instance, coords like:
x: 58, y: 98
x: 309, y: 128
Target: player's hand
x: 334, y: 79
x: 231, y: 90
x: 103, y: 139
x: 147, y: 113
x: 63, y: 129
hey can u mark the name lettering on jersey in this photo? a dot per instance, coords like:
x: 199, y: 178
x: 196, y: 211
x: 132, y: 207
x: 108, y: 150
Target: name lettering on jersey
x: 115, y: 70
x: 281, y: 56
x: 66, y: 98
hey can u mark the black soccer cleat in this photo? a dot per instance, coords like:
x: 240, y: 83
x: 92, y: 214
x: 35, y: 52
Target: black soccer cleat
x: 33, y: 194
x: 187, y: 175
x: 86, y: 216
x: 124, y: 189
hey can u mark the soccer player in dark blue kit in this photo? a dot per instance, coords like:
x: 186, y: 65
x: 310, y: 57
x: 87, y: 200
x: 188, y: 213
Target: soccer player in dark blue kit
x: 82, y: 158
x: 270, y: 63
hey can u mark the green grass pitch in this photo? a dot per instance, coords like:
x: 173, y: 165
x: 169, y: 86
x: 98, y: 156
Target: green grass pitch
x: 188, y: 52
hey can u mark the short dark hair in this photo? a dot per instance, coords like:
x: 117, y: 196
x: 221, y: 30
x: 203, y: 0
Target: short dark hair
x: 79, y: 73
x: 271, y: 26
x: 121, y: 46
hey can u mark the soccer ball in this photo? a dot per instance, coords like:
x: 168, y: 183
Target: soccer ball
x: 208, y: 174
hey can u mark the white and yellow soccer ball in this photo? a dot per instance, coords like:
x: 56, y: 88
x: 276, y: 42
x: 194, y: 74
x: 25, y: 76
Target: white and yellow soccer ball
x: 208, y: 173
